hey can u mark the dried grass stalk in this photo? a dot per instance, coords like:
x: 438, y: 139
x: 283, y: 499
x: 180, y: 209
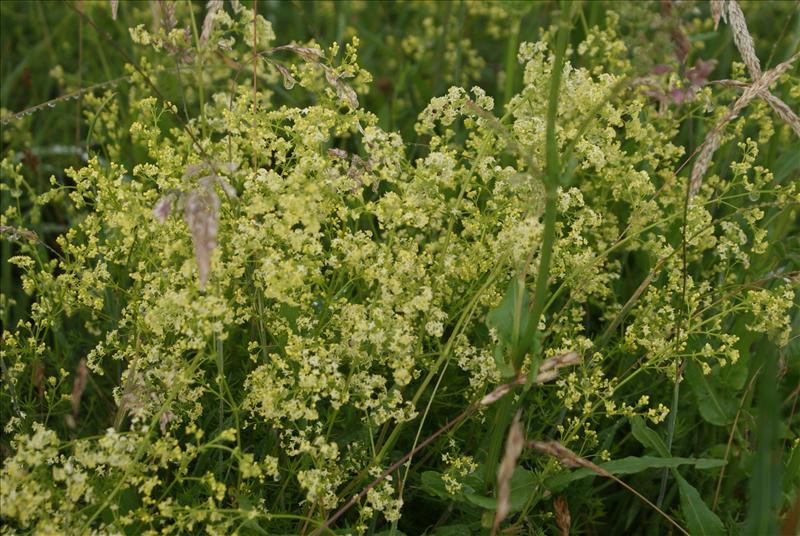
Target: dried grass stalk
x: 166, y: 14
x: 570, y: 459
x: 505, y: 471
x: 703, y: 161
x: 717, y: 11
x: 208, y: 22
x: 200, y: 208
x: 711, y: 144
x: 16, y: 233
x: 783, y: 111
x: 563, y: 519
x: 288, y: 79
x: 777, y: 105
x: 313, y: 55
x: 133, y: 396
x: 164, y: 420
x: 163, y: 208
x: 548, y: 371
x: 564, y: 455
x: 114, y: 7
x: 78, y: 387
x: 743, y: 39
x: 343, y: 91
x: 201, y: 212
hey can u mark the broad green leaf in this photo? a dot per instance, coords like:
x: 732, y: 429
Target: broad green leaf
x: 251, y: 524
x: 713, y: 408
x: 502, y: 358
x: 432, y: 483
x: 648, y: 437
x: 511, y: 315
x: 509, y: 319
x: 786, y: 165
x: 630, y: 465
x: 701, y: 520
x: 523, y: 483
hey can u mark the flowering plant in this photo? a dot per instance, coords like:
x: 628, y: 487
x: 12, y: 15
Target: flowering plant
x: 270, y: 312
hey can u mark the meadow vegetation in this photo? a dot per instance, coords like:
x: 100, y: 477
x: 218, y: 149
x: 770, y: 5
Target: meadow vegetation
x: 439, y: 268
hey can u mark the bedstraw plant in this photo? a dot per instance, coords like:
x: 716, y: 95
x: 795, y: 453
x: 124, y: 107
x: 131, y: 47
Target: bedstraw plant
x: 495, y: 268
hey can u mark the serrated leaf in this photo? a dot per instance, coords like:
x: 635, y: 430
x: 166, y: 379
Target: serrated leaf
x: 713, y: 407
x: 699, y: 517
x: 648, y: 437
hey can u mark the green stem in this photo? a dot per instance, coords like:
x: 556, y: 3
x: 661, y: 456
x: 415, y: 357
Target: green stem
x: 220, y: 380
x: 551, y: 182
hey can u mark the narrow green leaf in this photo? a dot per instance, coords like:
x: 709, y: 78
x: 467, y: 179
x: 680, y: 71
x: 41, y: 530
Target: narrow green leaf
x: 708, y: 463
x: 700, y: 519
x: 630, y: 465
x: 766, y: 479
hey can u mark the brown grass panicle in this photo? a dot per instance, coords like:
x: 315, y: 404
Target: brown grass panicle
x: 730, y: 12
